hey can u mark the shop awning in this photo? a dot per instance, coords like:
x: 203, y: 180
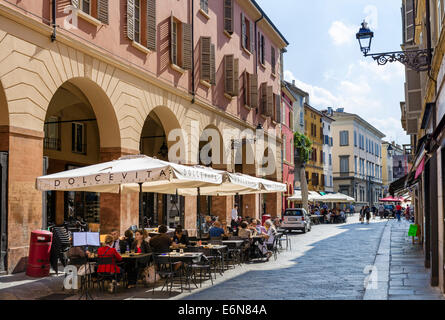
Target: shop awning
x: 298, y: 197
x: 337, y: 197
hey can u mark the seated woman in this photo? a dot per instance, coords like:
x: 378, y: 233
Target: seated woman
x: 139, y: 246
x: 108, y: 252
x: 270, y: 237
x: 244, y: 232
x: 180, y: 238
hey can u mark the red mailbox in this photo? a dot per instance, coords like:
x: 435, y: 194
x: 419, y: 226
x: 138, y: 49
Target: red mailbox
x: 265, y: 217
x: 39, y: 254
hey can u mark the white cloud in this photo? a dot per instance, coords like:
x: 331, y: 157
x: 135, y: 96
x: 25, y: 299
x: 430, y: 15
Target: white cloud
x: 341, y: 33
x: 372, y: 17
x: 356, y: 93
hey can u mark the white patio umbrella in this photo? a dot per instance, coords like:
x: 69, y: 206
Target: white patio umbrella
x: 131, y: 173
x: 336, y: 197
x: 312, y: 196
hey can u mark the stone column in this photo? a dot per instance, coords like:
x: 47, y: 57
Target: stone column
x: 24, y: 200
x: 117, y: 211
x: 251, y: 207
x: 190, y: 215
x: 222, y: 208
x: 273, y: 205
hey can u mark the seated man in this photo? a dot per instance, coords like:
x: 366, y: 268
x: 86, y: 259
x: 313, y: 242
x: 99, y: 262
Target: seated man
x: 217, y: 231
x: 161, y: 243
x: 180, y: 238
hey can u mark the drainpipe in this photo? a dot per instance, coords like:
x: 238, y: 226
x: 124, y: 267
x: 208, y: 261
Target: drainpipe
x: 193, y: 51
x: 54, y: 10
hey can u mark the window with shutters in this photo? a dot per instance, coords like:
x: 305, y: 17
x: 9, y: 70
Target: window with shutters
x: 261, y: 48
x: 93, y: 11
x: 228, y: 16
x: 344, y: 138
x: 247, y: 34
x: 277, y: 113
x: 205, y: 6
x: 85, y: 6
x: 250, y: 90
x: 267, y: 100
x: 273, y: 60
x: 141, y: 24
x: 231, y: 75
x: 78, y: 138
x: 208, y: 67
x: 284, y: 148
x: 180, y: 45
x: 344, y: 164
x: 137, y: 21
x: 409, y: 20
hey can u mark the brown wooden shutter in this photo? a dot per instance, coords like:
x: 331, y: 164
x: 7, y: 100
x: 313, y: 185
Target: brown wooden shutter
x: 187, y: 46
x: 253, y: 90
x: 229, y: 74
x: 151, y: 25
x: 130, y: 19
x: 212, y: 64
x: 246, y: 88
x: 173, y: 41
x: 252, y: 37
x: 205, y: 58
x: 236, y: 77
x: 102, y: 11
x: 263, y: 99
x: 269, y: 104
x: 243, y: 30
x: 75, y: 3
x: 273, y: 60
x: 228, y: 16
x: 278, y: 108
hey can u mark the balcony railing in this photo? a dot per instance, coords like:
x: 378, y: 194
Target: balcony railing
x: 51, y: 144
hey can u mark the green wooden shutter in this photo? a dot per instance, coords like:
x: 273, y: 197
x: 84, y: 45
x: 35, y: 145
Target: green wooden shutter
x: 130, y: 19
x: 252, y: 37
x: 151, y: 25
x: 269, y: 104
x: 187, y: 46
x: 273, y: 60
x: 243, y: 30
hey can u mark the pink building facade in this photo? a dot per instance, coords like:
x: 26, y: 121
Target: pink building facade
x: 287, y: 132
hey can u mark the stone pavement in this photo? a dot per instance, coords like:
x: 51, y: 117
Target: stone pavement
x: 409, y: 280
x: 330, y: 262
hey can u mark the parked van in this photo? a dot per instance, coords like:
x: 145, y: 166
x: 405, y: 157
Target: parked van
x: 296, y: 219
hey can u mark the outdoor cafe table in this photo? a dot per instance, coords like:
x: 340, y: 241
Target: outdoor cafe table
x: 186, y: 257
x: 236, y: 243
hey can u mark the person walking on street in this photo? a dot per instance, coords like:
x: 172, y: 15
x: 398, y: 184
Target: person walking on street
x: 368, y: 214
x: 407, y: 213
x: 381, y: 211
x: 398, y: 211
x: 362, y: 215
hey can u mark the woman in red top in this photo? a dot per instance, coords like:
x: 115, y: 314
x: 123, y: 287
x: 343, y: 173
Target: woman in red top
x: 139, y: 246
x: 108, y: 252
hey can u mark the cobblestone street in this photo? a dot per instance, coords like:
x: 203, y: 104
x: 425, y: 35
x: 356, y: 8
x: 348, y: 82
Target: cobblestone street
x: 331, y: 262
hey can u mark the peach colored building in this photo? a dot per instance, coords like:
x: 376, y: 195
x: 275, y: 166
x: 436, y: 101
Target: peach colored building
x: 102, y: 79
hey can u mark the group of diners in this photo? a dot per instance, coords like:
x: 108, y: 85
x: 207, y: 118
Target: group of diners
x: 138, y: 243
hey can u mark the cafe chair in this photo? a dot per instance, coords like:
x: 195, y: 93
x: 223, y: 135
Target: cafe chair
x: 108, y: 276
x: 204, y: 268
x: 84, y: 271
x: 164, y: 267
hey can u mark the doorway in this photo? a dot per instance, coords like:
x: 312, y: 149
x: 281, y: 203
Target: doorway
x: 3, y: 211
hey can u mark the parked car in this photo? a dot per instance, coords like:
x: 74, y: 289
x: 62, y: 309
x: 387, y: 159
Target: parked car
x: 296, y: 219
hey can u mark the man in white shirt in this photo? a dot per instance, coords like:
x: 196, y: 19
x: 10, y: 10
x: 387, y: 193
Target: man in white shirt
x: 116, y: 240
x: 235, y: 213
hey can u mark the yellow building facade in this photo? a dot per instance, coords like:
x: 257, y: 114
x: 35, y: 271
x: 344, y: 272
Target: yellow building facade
x: 314, y: 130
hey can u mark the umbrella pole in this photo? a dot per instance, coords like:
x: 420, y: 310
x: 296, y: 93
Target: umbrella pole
x: 199, y: 212
x: 141, y: 219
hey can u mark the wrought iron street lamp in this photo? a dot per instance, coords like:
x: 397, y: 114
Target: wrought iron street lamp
x: 418, y: 60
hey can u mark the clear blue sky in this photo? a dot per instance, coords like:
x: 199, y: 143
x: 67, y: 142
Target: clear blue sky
x: 324, y: 57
